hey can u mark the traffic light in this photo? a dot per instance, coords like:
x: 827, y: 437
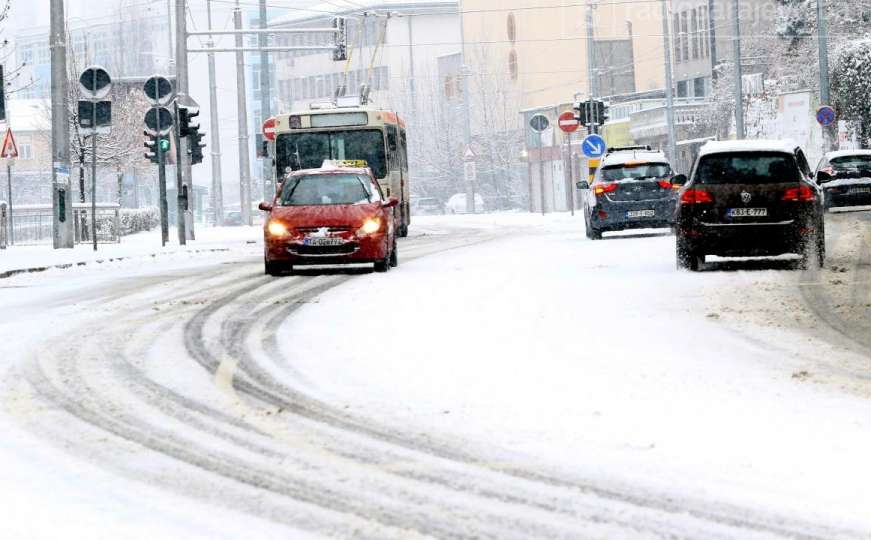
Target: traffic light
x: 185, y: 115
x: 151, y: 144
x: 582, y: 112
x: 155, y: 144
x: 195, y: 146
x: 591, y: 112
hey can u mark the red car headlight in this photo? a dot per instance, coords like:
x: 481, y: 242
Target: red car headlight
x: 277, y: 229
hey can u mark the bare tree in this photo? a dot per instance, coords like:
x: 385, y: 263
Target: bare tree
x: 15, y: 77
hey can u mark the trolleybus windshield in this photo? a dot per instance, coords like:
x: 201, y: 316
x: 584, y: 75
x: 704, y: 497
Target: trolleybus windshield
x: 309, y: 150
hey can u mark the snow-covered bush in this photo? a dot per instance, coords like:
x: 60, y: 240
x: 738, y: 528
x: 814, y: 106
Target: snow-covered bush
x: 135, y: 220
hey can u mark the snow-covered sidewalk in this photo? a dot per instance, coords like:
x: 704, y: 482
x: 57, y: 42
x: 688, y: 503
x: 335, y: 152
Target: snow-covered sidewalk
x: 600, y: 357
x: 17, y: 259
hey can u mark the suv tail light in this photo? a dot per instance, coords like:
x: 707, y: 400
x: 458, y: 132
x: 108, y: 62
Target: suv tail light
x: 601, y: 189
x: 695, y: 196
x: 664, y: 184
x: 799, y: 194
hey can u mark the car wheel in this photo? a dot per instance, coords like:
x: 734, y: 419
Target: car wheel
x: 686, y: 260
x: 594, y: 234
x: 394, y: 255
x: 403, y: 231
x: 273, y: 268
x: 384, y: 264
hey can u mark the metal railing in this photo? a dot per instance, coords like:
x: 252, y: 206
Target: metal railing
x: 32, y: 224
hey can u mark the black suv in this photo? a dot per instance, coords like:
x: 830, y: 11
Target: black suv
x: 749, y: 199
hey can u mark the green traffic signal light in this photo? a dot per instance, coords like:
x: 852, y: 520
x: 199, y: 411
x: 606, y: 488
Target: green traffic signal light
x: 164, y: 145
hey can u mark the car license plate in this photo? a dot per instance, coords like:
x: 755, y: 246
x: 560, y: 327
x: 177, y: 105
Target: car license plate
x: 748, y: 212
x: 640, y: 213
x: 857, y: 190
x: 320, y: 241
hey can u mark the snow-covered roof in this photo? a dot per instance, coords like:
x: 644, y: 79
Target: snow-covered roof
x: 344, y: 7
x: 721, y: 147
x: 619, y: 158
x: 28, y: 114
x: 844, y: 153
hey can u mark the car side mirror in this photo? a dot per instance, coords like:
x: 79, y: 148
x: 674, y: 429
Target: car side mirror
x: 679, y: 180
x: 583, y: 184
x: 265, y: 206
x: 390, y: 202
x: 823, y: 177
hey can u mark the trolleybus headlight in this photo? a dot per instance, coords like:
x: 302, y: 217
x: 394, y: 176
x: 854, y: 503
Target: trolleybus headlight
x: 277, y: 228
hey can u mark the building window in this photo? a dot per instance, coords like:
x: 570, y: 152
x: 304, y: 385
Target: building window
x: 675, y: 36
x: 512, y: 64
x: 512, y: 28
x: 706, y: 32
x: 27, y: 55
x: 25, y: 151
x: 694, y: 37
x: 699, y: 87
x: 684, y: 30
x: 682, y: 88
x: 449, y: 86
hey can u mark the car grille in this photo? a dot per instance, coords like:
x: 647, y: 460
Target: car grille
x: 331, y: 229
x: 323, y: 251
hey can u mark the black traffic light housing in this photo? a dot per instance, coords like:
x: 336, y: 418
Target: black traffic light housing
x: 185, y: 116
x: 195, y: 146
x: 151, y: 144
x: 591, y: 112
x: 340, y: 52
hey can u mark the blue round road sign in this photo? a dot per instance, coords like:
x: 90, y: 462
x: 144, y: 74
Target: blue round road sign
x: 826, y: 116
x: 594, y: 146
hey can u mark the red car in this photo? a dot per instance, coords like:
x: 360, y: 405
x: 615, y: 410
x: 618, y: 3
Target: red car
x: 333, y: 215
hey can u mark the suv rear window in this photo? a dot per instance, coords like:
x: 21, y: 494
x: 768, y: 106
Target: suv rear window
x: 628, y: 171
x: 851, y: 163
x: 747, y: 168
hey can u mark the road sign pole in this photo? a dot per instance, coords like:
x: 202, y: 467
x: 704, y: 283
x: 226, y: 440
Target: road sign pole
x: 161, y: 186
x: 94, y: 168
x: 9, y: 191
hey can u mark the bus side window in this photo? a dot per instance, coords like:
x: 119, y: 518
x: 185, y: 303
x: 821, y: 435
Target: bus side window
x: 403, y: 147
x: 392, y: 145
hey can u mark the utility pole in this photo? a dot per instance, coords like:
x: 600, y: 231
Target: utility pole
x: 669, y: 85
x: 739, y: 88
x: 214, y: 122
x: 467, y: 126
x: 265, y: 98
x: 712, y: 30
x: 61, y: 201
x: 94, y: 168
x: 411, y: 83
x: 825, y: 92
x: 183, y: 163
x: 242, y: 115
x: 591, y: 71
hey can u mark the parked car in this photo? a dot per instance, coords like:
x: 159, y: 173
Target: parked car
x: 427, y: 206
x: 457, y: 204
x: 335, y: 215
x: 633, y: 189
x: 845, y: 177
x: 748, y: 199
x: 233, y: 218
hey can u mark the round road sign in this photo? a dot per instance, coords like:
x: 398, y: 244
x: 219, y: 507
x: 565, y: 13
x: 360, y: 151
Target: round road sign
x: 158, y: 120
x: 594, y: 146
x: 269, y: 128
x: 539, y: 123
x: 568, y: 123
x: 826, y: 116
x: 158, y: 90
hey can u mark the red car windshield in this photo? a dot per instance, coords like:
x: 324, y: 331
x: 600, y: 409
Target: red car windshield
x: 328, y: 189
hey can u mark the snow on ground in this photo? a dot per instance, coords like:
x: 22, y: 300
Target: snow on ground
x: 596, y: 355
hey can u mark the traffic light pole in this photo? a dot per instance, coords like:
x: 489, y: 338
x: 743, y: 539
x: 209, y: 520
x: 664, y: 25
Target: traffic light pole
x: 179, y: 176
x: 94, y: 169
x: 242, y: 117
x: 161, y: 187
x: 183, y: 165
x: 214, y: 124
x: 61, y: 201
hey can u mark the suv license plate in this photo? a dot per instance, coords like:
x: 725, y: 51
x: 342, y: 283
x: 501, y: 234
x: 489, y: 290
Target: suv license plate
x: 748, y: 212
x: 856, y: 190
x: 323, y: 241
x: 640, y: 213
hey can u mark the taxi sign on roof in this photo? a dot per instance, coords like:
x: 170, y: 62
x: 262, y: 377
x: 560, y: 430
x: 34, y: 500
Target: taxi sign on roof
x: 353, y: 163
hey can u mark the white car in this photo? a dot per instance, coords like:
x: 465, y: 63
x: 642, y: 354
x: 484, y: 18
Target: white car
x: 457, y: 204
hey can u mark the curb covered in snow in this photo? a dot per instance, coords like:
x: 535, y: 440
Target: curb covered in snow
x: 14, y: 272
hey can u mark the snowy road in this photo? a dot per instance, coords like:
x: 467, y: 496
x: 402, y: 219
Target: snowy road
x: 510, y: 380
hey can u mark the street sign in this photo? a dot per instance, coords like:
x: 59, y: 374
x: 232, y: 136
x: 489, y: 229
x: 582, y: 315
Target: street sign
x: 95, y: 83
x: 470, y: 171
x: 87, y: 114
x: 158, y: 90
x: 826, y: 116
x: 568, y: 123
x: 269, y: 128
x: 151, y: 118
x: 539, y: 123
x: 594, y: 146
x: 469, y: 154
x: 9, y: 149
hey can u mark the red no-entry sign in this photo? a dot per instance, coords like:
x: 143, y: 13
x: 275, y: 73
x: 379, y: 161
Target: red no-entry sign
x: 567, y: 122
x: 269, y: 128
